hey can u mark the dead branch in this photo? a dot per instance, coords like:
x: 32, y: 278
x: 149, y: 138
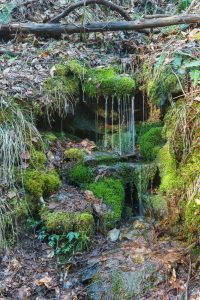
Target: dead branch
x: 56, y: 29
x: 82, y: 3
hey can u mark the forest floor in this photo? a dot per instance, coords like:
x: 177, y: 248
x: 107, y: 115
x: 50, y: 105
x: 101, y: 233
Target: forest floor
x: 144, y: 263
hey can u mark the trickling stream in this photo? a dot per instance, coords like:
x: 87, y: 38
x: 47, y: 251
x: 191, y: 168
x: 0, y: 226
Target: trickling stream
x: 119, y: 128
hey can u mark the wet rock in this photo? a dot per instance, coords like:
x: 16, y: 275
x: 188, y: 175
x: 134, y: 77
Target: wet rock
x: 100, y: 158
x: 69, y: 284
x: 89, y: 272
x: 130, y: 235
x: 113, y: 235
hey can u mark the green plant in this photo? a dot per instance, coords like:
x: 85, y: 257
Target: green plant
x: 37, y: 159
x: 150, y: 143
x: 164, y: 82
x: 74, y: 154
x: 113, y: 194
x: 81, y: 175
x: 63, y: 89
x: 16, y: 131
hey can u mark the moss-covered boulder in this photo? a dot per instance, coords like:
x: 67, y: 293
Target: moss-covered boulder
x: 162, y: 85
x: 111, y: 191
x: 74, y: 154
x: 192, y: 215
x: 106, y: 82
x: 150, y: 143
x: 81, y: 175
x: 40, y: 183
x: 84, y: 223
x: 58, y: 222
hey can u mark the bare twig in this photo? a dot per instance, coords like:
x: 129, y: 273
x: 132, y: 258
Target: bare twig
x: 82, y: 3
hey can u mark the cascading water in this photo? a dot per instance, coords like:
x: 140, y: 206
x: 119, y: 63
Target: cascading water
x: 119, y: 125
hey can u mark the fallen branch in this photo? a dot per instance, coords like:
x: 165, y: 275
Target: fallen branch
x: 82, y: 3
x: 56, y: 29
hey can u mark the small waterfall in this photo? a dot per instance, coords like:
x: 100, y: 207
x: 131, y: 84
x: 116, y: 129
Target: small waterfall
x: 119, y: 124
x: 106, y: 123
x: 133, y: 123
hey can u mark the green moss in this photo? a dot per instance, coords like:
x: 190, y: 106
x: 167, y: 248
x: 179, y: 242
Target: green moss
x: 58, y: 222
x: 106, y: 82
x: 69, y: 68
x: 49, y: 137
x: 20, y: 208
x: 81, y: 175
x: 84, y: 223
x: 39, y: 183
x: 163, y: 84
x: 159, y: 205
x: 150, y: 143
x: 170, y: 179
x: 113, y: 194
x: 74, y: 154
x: 37, y: 159
x: 124, y: 85
x: 192, y: 215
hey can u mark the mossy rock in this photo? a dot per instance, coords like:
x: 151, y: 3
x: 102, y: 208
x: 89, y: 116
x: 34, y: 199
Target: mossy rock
x: 192, y: 215
x: 58, y: 222
x: 159, y: 206
x: 106, y: 82
x: 49, y: 136
x: 163, y: 84
x: 74, y: 154
x: 113, y: 194
x: 170, y: 178
x: 40, y: 183
x: 100, y: 158
x: 150, y: 143
x: 81, y: 175
x: 84, y: 223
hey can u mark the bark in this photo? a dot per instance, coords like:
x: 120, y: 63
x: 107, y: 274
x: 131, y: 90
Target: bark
x: 78, y: 4
x: 56, y: 29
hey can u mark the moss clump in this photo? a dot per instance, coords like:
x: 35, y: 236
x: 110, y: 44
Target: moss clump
x: 113, y: 194
x: 49, y: 137
x: 168, y: 171
x: 37, y: 159
x: 40, y: 183
x: 64, y: 87
x: 106, y: 82
x: 58, y: 222
x: 74, y: 154
x: 69, y: 68
x: 81, y: 175
x: 192, y: 215
x: 162, y: 85
x: 84, y: 223
x: 150, y: 143
x: 159, y: 206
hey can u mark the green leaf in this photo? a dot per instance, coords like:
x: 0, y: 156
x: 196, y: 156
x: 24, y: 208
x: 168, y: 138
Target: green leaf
x: 195, y: 76
x: 194, y: 63
x: 177, y: 61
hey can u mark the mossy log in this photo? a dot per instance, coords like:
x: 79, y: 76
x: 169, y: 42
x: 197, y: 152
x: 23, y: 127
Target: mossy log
x: 57, y: 29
